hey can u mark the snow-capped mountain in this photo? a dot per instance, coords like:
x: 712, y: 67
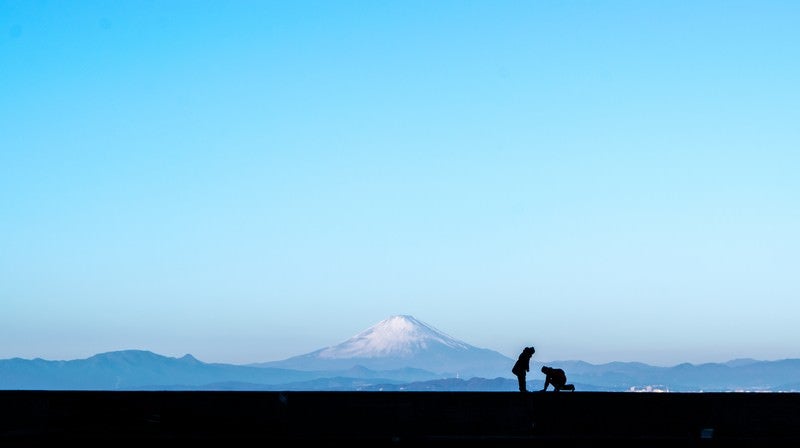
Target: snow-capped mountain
x: 398, y: 336
x: 402, y: 341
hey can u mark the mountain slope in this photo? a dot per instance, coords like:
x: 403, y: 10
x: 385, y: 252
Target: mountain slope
x: 144, y: 370
x: 402, y: 341
x: 135, y: 369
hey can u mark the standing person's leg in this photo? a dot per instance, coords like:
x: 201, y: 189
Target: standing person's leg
x: 521, y: 380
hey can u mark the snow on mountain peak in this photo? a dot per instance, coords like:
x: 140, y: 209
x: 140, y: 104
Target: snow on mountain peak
x: 397, y: 336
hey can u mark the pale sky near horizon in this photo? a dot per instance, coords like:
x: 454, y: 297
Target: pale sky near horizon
x: 247, y: 181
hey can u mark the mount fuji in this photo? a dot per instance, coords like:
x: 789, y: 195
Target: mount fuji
x: 399, y: 353
x: 403, y: 342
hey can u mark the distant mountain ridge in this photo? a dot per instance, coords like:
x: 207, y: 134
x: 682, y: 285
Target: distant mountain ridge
x: 397, y: 354
x: 144, y: 370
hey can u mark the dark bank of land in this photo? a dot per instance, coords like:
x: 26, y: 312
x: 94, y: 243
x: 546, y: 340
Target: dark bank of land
x: 401, y: 418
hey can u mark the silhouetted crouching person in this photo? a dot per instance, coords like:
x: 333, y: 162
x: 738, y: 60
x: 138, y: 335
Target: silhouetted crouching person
x: 557, y: 378
x: 523, y: 366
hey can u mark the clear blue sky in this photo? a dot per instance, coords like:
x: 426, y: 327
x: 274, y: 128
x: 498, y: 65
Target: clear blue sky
x: 251, y: 180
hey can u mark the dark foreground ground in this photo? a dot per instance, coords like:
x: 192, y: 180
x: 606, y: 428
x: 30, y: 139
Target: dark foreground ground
x: 264, y: 419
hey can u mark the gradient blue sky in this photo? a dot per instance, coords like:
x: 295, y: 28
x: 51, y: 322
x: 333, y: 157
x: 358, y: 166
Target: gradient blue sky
x: 251, y: 180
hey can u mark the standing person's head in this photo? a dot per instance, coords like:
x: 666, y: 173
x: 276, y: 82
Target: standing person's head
x: 530, y: 350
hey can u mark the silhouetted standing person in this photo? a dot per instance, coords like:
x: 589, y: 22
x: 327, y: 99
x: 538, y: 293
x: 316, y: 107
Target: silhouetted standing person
x: 523, y: 366
x: 557, y: 378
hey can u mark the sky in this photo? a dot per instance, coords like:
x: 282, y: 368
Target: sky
x: 248, y: 181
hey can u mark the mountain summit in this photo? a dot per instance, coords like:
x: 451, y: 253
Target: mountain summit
x: 400, y: 342
x: 398, y: 336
